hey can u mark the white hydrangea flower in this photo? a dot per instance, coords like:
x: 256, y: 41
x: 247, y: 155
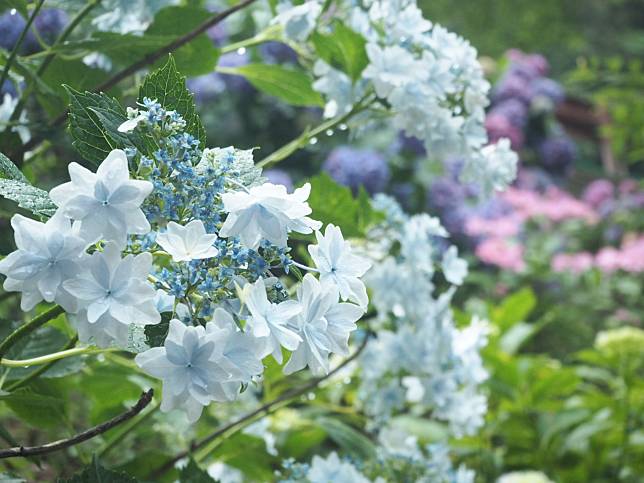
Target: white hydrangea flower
x: 454, y: 268
x: 106, y: 203
x: 331, y: 469
x: 133, y: 120
x: 391, y: 67
x: 189, y: 242
x: 48, y: 254
x: 106, y: 331
x: 268, y: 321
x: 109, y: 284
x: 416, y: 244
x: 7, y: 107
x: 187, y: 365
x: 494, y: 168
x: 324, y: 326
x: 341, y: 93
x: 299, y: 21
x: 267, y: 211
x: 338, y: 266
x: 528, y: 476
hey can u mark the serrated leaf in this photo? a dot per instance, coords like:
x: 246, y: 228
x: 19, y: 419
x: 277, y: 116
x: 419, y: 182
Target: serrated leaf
x: 8, y: 170
x: 333, y: 203
x: 343, y: 49
x: 28, y: 197
x: 168, y: 87
x: 191, y: 473
x: 290, y: 85
x: 95, y: 473
x: 38, y: 405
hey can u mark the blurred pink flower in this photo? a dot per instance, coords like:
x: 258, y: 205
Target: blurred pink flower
x: 608, y: 259
x: 499, y: 126
x: 504, y: 226
x: 598, y: 192
x: 632, y: 255
x: 501, y: 252
x: 573, y: 262
x: 555, y: 205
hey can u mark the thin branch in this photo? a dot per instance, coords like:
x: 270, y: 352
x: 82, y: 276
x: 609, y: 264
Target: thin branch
x: 29, y: 327
x: 145, y: 61
x: 24, y: 451
x: 55, y: 356
x: 265, y: 408
x: 16, y: 47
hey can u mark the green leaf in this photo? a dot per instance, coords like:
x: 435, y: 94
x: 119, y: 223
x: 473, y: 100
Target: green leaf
x: 8, y: 170
x: 197, y: 57
x: 514, y: 308
x: 191, y: 473
x: 89, y: 136
x: 19, y: 5
x: 28, y: 197
x: 155, y: 334
x: 38, y: 405
x: 333, y: 203
x: 95, y: 473
x: 517, y: 335
x: 290, y: 85
x: 343, y: 49
x: 348, y: 438
x: 168, y: 87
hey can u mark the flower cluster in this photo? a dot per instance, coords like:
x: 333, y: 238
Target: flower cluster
x: 420, y: 361
x: 428, y: 79
x: 190, y: 241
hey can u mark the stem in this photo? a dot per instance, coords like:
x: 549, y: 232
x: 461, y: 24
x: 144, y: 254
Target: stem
x: 263, y: 410
x: 147, y: 60
x: 23, y: 451
x: 14, y: 51
x: 125, y: 429
x: 51, y: 55
x: 306, y: 136
x: 29, y: 327
x: 40, y: 370
x: 37, y: 361
x: 304, y: 267
x: 264, y: 36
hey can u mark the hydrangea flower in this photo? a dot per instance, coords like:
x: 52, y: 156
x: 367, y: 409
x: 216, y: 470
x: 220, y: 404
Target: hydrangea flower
x: 454, y: 268
x: 269, y: 321
x: 338, y: 266
x: 48, y: 254
x: 106, y: 203
x: 358, y: 167
x: 189, y: 242
x: 298, y: 21
x: 109, y: 284
x: 332, y: 469
x: 324, y: 326
x: 268, y: 212
x: 187, y: 365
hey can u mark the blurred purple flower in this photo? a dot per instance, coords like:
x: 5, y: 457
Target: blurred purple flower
x: 513, y: 85
x: 556, y: 154
x: 10, y: 27
x: 279, y: 176
x: 277, y: 53
x: 410, y: 144
x: 358, y: 167
x: 499, y: 126
x: 548, y: 88
x: 515, y: 111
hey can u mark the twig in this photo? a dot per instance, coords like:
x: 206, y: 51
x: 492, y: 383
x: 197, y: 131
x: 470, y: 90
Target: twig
x: 16, y: 47
x: 24, y: 451
x: 265, y: 408
x: 55, y: 356
x: 148, y: 59
x: 29, y: 327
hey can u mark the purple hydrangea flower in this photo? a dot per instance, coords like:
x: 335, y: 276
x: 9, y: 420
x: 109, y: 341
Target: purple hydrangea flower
x: 277, y: 53
x: 533, y: 179
x: 410, y: 144
x: 498, y: 126
x: 279, y: 176
x: 513, y: 85
x: 49, y: 23
x: 556, y: 154
x: 598, y: 192
x: 358, y: 167
x: 548, y: 88
x: 515, y: 111
x: 11, y: 26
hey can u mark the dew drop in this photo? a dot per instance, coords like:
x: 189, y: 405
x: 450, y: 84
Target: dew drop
x: 313, y: 141
x: 329, y: 132
x: 241, y: 51
x: 343, y: 127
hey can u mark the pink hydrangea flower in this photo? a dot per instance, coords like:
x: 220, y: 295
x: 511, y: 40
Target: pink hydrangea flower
x: 574, y: 262
x: 598, y: 192
x: 503, y: 226
x: 502, y: 253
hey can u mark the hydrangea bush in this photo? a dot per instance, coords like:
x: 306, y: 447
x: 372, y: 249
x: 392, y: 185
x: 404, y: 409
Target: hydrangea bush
x: 187, y: 269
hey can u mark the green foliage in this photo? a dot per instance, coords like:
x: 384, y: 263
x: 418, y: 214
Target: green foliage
x: 168, y: 87
x: 8, y: 170
x: 333, y: 203
x: 95, y: 473
x: 41, y: 405
x: 343, y: 49
x: 90, y: 135
x: 191, y: 473
x: 290, y: 85
x: 348, y: 438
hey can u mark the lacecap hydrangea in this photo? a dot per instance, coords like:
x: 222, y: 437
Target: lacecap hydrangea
x: 187, y: 247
